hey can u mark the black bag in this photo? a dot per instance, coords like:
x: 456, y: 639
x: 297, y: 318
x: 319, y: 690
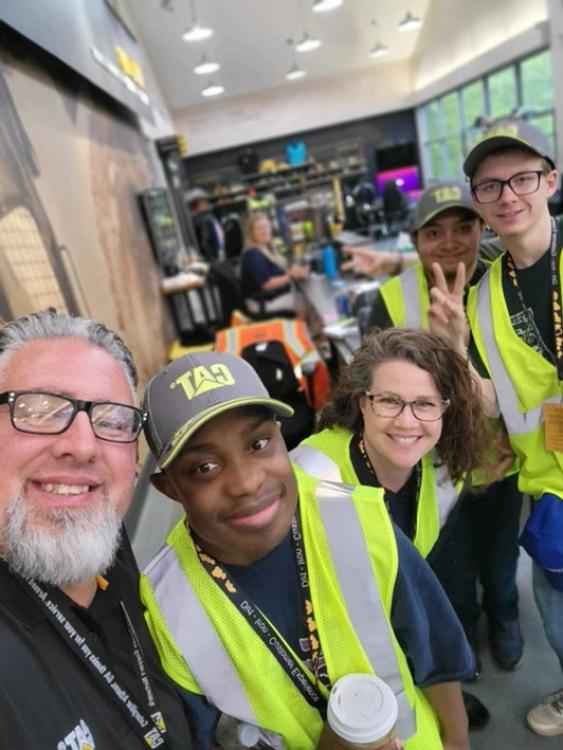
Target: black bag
x: 272, y: 363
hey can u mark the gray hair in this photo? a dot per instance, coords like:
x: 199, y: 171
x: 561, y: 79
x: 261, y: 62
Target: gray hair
x: 48, y: 324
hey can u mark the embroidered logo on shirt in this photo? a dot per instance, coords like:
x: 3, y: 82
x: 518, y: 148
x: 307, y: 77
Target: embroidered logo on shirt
x: 80, y: 738
x: 525, y: 331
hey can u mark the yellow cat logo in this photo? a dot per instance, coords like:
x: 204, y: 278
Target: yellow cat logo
x: 201, y: 379
x: 509, y: 129
x: 449, y: 193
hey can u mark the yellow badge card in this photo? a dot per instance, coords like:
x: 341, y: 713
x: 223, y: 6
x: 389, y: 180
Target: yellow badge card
x: 553, y: 416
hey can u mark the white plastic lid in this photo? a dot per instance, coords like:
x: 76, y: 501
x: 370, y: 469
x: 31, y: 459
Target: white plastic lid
x: 362, y: 708
x: 248, y: 734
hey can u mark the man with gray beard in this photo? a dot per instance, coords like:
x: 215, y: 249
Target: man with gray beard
x: 78, y: 667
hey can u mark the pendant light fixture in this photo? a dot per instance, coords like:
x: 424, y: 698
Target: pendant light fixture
x: 324, y: 6
x: 195, y: 32
x: 295, y: 72
x: 378, y: 49
x: 410, y: 22
x: 307, y: 43
x: 206, y: 67
x: 213, y: 89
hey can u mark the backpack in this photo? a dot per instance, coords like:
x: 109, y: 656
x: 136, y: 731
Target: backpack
x: 272, y: 363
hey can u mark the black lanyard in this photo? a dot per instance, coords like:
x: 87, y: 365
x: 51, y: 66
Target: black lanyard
x: 369, y: 467
x: 148, y: 724
x: 265, y: 630
x: 555, y: 283
x: 317, y: 662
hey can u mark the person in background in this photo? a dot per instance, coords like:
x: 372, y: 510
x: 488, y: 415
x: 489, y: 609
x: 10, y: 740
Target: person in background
x: 78, y: 666
x: 208, y: 229
x: 264, y: 270
x: 481, y: 540
x: 517, y: 348
x: 271, y: 571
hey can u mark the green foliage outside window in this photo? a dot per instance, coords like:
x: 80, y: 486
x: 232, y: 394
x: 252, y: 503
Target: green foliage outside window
x: 450, y: 109
x: 545, y: 123
x: 433, y: 120
x: 436, y: 161
x: 537, y: 80
x: 473, y: 98
x: 454, y: 156
x: 502, y: 92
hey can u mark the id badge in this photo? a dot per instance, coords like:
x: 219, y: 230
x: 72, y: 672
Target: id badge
x: 553, y: 418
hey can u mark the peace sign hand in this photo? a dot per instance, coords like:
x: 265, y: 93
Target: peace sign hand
x: 446, y: 313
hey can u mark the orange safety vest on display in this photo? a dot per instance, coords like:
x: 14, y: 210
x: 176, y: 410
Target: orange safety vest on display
x: 304, y: 357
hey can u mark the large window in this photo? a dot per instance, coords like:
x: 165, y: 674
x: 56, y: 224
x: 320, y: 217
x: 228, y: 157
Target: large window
x: 452, y: 122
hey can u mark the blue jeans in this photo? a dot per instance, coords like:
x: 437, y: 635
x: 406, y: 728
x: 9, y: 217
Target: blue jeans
x: 550, y: 605
x: 480, y: 542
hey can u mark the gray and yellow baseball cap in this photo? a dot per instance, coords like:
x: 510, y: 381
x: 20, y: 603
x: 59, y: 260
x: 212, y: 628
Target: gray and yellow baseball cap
x: 508, y: 133
x: 193, y: 389
x: 441, y: 197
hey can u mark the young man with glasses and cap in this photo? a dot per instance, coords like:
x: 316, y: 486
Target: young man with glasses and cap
x: 78, y: 666
x: 271, y: 571
x: 481, y: 540
x: 515, y: 319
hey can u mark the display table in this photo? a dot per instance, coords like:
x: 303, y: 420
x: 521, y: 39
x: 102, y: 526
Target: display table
x: 191, y: 300
x: 323, y: 314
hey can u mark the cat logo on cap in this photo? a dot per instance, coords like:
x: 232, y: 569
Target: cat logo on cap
x: 202, y: 379
x: 508, y: 129
x: 447, y: 193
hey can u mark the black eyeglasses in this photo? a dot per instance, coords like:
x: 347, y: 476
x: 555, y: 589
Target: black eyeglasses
x: 522, y: 183
x: 423, y: 409
x: 44, y: 413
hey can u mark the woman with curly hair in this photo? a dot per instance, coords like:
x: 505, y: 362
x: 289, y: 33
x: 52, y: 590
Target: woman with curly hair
x: 406, y: 415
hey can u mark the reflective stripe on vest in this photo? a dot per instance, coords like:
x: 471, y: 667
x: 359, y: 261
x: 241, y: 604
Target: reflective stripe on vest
x: 209, y: 661
x: 205, y: 655
x: 517, y: 423
x: 231, y: 343
x: 363, y: 602
x: 319, y: 465
x: 316, y: 463
x: 446, y: 492
x: 411, y: 298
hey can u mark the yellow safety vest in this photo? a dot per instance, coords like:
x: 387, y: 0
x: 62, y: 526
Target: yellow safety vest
x: 523, y: 379
x: 406, y: 298
x: 326, y: 455
x: 208, y: 647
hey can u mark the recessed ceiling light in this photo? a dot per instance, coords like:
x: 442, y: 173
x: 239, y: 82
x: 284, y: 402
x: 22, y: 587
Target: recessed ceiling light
x: 308, y: 43
x: 295, y: 72
x: 378, y: 50
x: 410, y: 22
x: 205, y: 67
x: 324, y: 6
x: 213, y: 89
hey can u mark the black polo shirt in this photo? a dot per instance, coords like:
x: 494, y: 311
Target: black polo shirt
x: 49, y: 698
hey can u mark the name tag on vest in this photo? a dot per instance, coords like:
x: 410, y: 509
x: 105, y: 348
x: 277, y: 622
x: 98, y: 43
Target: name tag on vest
x: 553, y: 418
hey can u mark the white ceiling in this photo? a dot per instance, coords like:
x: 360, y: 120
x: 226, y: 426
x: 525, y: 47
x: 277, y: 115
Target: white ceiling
x: 250, y: 41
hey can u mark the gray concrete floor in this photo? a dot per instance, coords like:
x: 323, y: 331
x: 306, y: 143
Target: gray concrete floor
x: 509, y: 695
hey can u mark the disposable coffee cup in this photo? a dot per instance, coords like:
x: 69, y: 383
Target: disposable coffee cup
x: 362, y: 713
